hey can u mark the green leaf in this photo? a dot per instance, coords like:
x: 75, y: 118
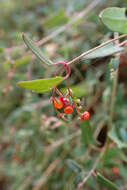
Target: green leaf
x: 106, y: 182
x: 30, y: 44
x: 115, y: 19
x: 86, y: 133
x: 107, y: 50
x: 79, y: 90
x: 55, y: 20
x: 40, y: 85
x: 112, y: 155
x: 113, y: 136
x: 74, y: 166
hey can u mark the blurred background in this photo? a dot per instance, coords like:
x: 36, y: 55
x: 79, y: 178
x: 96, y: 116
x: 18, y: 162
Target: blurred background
x: 34, y: 144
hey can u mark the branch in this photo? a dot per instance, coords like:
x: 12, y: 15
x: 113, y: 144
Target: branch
x: 95, y: 48
x: 81, y: 184
x: 113, y: 96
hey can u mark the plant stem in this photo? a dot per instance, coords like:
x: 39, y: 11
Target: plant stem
x: 95, y: 48
x: 91, y: 172
x: 114, y: 90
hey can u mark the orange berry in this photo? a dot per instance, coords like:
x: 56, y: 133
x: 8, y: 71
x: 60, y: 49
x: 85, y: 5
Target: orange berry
x: 115, y: 170
x: 68, y: 110
x: 85, y: 116
x: 58, y: 104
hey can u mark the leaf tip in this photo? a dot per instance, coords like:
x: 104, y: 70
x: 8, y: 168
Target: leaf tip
x: 100, y: 15
x: 19, y: 84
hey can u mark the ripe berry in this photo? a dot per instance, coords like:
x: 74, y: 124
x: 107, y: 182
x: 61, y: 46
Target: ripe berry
x: 85, y: 116
x: 58, y: 104
x: 68, y: 110
x: 115, y: 170
x: 64, y: 100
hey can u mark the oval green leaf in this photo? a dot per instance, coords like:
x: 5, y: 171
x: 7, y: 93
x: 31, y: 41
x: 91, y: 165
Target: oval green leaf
x: 115, y: 19
x: 38, y: 53
x: 106, y: 182
x: 40, y: 85
x: 105, y: 51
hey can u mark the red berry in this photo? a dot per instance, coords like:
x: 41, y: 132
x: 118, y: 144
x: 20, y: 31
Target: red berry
x: 115, y: 170
x: 65, y: 101
x: 68, y: 110
x: 58, y: 104
x: 85, y: 116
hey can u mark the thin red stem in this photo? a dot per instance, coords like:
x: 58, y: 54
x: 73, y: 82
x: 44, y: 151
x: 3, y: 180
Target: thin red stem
x: 66, y: 67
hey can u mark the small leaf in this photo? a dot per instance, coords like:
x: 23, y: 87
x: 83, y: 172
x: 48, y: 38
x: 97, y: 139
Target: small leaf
x: 74, y: 166
x: 40, y: 85
x: 107, y: 50
x: 30, y: 44
x: 113, y: 136
x: 79, y: 90
x: 106, y: 182
x: 115, y: 19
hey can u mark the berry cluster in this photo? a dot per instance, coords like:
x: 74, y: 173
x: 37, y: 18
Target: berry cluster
x: 65, y: 105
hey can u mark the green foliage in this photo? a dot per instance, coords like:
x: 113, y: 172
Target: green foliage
x: 86, y: 131
x: 115, y: 19
x: 39, y: 150
x: 106, y: 182
x: 36, y: 50
x: 80, y: 90
x: 104, y: 51
x: 113, y: 136
x: 40, y: 85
